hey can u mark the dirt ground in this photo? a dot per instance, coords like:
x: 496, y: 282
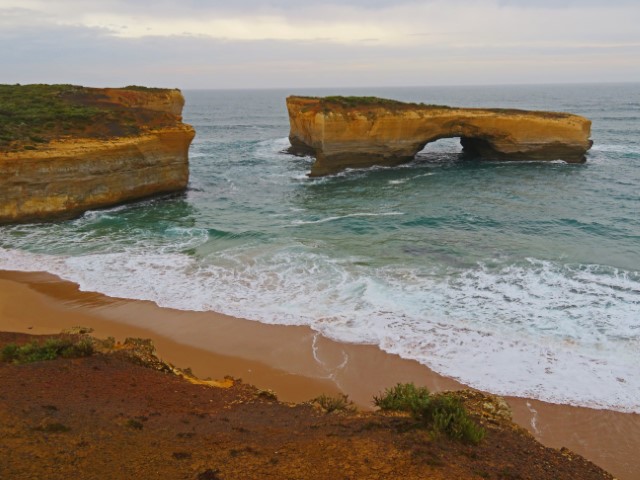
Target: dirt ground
x: 106, y: 416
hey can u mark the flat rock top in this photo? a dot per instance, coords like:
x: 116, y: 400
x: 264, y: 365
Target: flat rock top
x: 31, y: 116
x: 341, y: 103
x: 103, y: 416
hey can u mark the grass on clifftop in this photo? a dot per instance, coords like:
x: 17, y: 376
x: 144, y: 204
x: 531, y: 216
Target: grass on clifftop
x: 368, y: 101
x: 141, y: 88
x: 49, y: 350
x: 28, y: 112
x: 354, y: 101
x: 442, y: 413
x: 32, y: 115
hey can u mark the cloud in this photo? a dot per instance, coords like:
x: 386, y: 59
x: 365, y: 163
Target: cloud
x: 201, y: 44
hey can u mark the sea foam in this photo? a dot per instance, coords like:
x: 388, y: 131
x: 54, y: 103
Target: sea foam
x: 560, y: 333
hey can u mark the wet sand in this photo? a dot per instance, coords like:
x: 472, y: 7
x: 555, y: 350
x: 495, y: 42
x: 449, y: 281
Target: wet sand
x: 295, y: 362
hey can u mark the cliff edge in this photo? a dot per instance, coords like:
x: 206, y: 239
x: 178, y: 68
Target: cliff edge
x: 357, y: 132
x: 77, y: 407
x: 66, y: 149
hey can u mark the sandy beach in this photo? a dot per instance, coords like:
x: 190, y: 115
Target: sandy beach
x: 295, y: 362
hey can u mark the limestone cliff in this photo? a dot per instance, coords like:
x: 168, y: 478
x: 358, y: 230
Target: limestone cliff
x: 131, y: 143
x: 356, y: 132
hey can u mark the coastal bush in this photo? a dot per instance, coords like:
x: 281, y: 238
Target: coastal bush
x: 444, y: 414
x: 49, y: 350
x: 404, y: 397
x: 341, y: 403
x: 451, y: 418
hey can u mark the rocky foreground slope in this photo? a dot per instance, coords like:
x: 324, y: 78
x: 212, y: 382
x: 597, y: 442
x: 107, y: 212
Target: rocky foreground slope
x: 122, y: 413
x: 356, y: 132
x: 66, y: 149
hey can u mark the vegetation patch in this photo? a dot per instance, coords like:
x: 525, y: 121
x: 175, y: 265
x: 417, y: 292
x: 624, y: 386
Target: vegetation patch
x: 443, y: 414
x: 48, y: 350
x: 369, y: 101
x: 329, y: 404
x: 33, y: 115
x: 353, y: 101
x: 140, y: 88
x: 30, y: 113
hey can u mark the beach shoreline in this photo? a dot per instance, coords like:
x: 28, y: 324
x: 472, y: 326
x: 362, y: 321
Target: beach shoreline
x: 294, y: 361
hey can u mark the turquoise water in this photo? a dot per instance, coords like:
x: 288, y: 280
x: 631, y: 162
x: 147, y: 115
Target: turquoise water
x: 518, y: 278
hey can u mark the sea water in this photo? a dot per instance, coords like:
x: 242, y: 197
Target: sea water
x: 519, y: 278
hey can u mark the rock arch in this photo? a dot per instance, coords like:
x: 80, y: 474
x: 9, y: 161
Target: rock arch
x: 358, y: 132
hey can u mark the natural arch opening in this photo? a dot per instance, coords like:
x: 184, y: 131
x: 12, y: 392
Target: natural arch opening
x: 440, y: 147
x: 470, y: 147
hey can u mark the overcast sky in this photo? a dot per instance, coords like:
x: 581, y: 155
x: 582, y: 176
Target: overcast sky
x: 292, y: 43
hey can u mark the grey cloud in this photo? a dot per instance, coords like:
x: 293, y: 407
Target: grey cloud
x: 566, y: 3
x: 94, y: 57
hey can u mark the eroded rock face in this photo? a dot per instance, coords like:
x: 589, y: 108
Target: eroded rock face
x: 68, y: 176
x: 354, y: 133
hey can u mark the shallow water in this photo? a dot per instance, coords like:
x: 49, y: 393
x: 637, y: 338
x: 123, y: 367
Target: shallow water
x: 518, y: 278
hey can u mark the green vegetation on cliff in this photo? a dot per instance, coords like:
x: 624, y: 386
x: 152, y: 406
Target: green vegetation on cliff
x: 48, y: 350
x: 369, y: 101
x: 142, y: 88
x: 353, y: 101
x: 443, y: 413
x: 32, y: 115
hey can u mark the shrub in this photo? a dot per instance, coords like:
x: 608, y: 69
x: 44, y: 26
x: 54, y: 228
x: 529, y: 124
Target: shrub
x: 451, y: 418
x: 9, y: 352
x: 404, y: 397
x: 49, y: 350
x: 443, y: 413
x: 341, y: 403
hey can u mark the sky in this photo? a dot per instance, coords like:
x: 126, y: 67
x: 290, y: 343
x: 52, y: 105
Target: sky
x: 292, y: 43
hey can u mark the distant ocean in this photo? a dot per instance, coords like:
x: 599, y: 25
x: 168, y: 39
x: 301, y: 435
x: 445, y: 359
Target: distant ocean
x: 516, y: 278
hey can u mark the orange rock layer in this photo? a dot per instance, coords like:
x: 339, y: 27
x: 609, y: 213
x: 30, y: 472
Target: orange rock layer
x: 348, y: 134
x: 69, y: 176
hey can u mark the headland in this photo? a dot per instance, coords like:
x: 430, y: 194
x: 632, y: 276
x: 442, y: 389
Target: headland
x: 65, y: 149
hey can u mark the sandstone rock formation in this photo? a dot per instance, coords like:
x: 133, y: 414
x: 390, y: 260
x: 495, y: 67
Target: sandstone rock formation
x: 356, y: 132
x: 135, y: 147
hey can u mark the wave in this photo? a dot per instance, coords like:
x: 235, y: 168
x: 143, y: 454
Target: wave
x: 340, y: 217
x: 559, y: 333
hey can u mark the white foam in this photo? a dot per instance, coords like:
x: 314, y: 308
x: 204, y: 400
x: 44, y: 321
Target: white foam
x: 560, y: 333
x: 340, y: 217
x: 410, y: 178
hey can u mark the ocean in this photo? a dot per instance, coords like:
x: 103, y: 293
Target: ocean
x: 518, y: 278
